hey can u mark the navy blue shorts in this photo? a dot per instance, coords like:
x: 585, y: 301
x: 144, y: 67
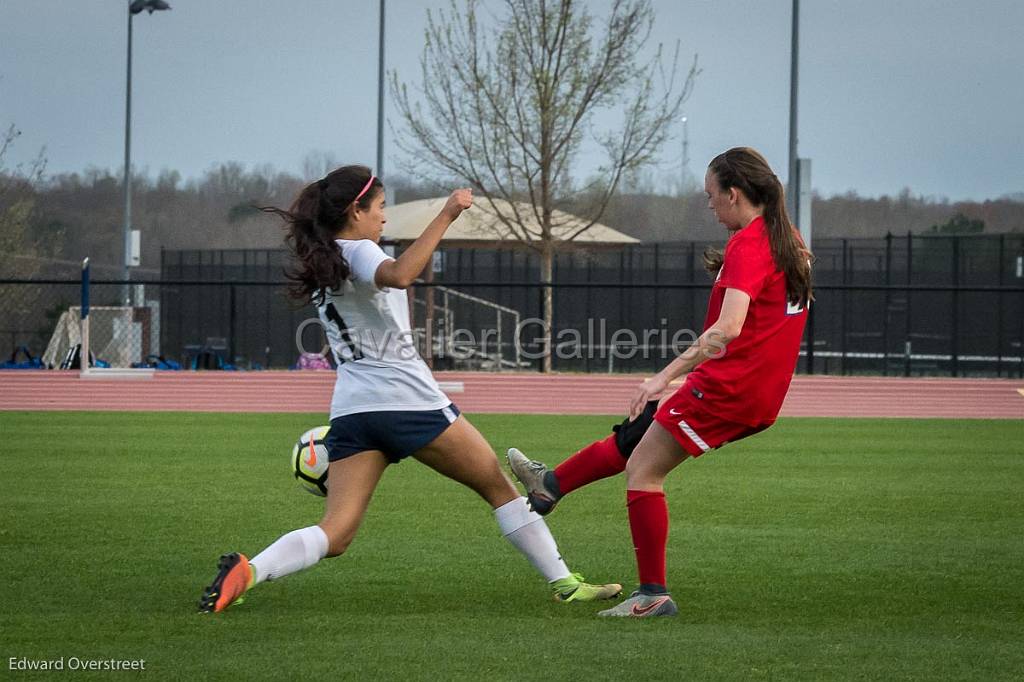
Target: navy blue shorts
x: 396, y: 434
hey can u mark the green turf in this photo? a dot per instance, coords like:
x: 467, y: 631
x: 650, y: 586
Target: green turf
x: 821, y: 549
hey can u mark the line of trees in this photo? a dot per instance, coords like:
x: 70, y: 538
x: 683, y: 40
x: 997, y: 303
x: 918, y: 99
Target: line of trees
x: 67, y: 216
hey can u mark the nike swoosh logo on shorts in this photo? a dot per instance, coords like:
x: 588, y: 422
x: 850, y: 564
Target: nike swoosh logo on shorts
x: 674, y: 413
x: 644, y: 610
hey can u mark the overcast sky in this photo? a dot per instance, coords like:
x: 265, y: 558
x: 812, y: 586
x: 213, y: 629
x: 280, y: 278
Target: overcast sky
x: 926, y: 94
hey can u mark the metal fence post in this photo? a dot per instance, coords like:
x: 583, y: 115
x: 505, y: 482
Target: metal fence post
x: 810, y: 337
x: 999, y: 308
x: 500, y: 353
x: 888, y: 304
x: 1020, y: 356
x: 842, y: 318
x: 588, y: 356
x: 84, y: 348
x: 179, y: 318
x: 955, y: 332
x: 909, y: 317
x: 232, y: 318
x: 266, y: 322
x: 623, y: 294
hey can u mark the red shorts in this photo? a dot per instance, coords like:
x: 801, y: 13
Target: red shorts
x: 696, y: 427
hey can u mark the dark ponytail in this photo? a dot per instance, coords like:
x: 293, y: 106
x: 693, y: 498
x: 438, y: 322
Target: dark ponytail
x: 313, y: 222
x: 746, y: 170
x: 713, y: 259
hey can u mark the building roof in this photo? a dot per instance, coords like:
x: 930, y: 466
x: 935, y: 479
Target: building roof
x: 406, y: 222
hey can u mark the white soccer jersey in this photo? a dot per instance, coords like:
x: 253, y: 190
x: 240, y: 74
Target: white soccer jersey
x: 368, y: 329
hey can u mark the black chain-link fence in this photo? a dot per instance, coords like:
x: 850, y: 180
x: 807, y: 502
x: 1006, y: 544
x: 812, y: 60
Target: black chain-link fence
x: 982, y: 260
x: 898, y: 329
x: 896, y: 305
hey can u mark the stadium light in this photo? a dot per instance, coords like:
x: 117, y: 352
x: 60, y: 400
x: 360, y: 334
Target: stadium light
x: 152, y: 5
x: 134, y: 7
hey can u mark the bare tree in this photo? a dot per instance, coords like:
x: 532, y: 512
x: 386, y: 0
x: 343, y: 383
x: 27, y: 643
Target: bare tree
x: 508, y: 109
x: 19, y: 254
x: 22, y: 254
x: 318, y: 163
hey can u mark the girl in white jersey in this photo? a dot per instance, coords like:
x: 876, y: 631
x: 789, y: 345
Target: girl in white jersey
x: 386, y: 404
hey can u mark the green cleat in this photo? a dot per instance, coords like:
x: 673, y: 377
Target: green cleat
x: 572, y: 588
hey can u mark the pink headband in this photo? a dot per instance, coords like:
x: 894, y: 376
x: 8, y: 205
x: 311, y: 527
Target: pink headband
x: 365, y: 188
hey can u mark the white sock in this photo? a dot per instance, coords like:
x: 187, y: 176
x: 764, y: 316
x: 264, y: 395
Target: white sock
x: 529, y: 534
x: 290, y: 553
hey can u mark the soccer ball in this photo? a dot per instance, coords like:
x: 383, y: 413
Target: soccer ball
x: 309, y: 461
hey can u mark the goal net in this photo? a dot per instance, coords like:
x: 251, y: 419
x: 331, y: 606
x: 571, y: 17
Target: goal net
x: 118, y: 335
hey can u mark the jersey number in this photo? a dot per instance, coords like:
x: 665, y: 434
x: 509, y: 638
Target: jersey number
x: 334, y: 316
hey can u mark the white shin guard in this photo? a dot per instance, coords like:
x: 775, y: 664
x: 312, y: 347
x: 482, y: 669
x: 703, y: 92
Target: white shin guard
x: 290, y: 553
x: 529, y: 534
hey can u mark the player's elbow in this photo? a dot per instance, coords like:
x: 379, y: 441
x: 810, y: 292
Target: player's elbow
x: 727, y: 331
x: 394, y: 278
x: 401, y: 282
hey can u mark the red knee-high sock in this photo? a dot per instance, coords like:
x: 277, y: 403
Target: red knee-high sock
x: 648, y: 522
x: 594, y: 462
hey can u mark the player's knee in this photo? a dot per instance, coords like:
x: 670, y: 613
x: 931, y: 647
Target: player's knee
x: 631, y: 471
x: 638, y: 473
x: 496, y: 488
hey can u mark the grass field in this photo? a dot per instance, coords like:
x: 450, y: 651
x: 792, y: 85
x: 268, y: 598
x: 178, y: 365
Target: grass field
x: 821, y: 549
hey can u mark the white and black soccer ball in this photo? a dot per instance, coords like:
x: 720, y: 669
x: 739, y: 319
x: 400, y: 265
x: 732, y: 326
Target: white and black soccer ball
x: 309, y: 461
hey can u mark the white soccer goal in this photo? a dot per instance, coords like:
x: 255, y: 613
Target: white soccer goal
x: 118, y: 335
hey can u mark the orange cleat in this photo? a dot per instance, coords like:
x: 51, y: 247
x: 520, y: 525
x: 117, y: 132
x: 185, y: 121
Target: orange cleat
x: 234, y: 576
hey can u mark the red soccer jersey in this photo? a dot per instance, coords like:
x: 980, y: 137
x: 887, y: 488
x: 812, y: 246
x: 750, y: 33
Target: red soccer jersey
x: 748, y: 383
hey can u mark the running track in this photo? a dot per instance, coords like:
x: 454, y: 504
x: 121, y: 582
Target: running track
x: 310, y: 391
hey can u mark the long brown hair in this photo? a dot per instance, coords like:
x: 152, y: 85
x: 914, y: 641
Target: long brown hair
x: 746, y: 170
x: 312, y: 224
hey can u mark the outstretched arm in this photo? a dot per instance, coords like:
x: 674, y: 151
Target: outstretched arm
x: 401, y: 272
x: 710, y: 344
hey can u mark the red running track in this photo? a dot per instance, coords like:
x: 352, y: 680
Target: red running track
x: 309, y: 391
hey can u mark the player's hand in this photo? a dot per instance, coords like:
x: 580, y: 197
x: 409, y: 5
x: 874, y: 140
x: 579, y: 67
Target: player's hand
x: 458, y: 201
x: 649, y: 390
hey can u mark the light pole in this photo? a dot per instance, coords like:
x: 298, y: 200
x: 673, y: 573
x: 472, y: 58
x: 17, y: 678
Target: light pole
x: 380, y: 95
x: 134, y: 7
x: 793, y: 189
x: 798, y: 191
x: 685, y: 175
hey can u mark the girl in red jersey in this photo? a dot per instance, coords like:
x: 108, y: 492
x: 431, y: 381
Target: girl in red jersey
x: 737, y: 373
